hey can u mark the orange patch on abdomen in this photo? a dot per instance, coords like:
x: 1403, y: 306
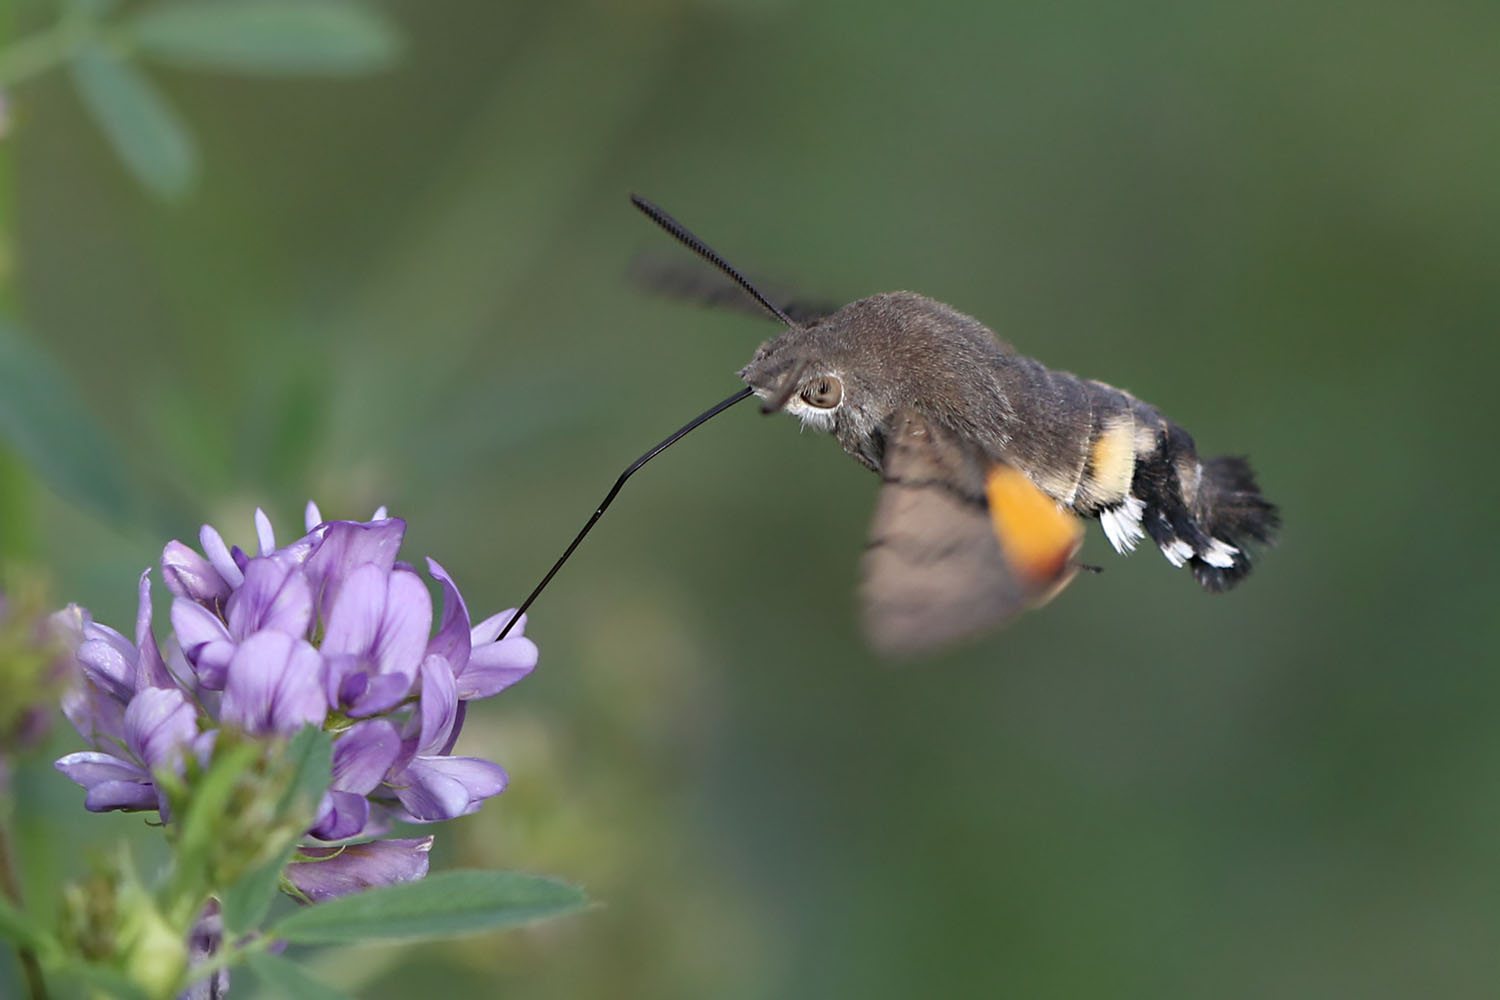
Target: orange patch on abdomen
x: 1037, y: 536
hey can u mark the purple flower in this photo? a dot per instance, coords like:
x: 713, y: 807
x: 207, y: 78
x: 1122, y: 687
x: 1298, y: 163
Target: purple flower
x: 337, y: 871
x: 274, y: 685
x: 377, y: 630
x: 158, y: 726
x: 430, y: 784
x: 327, y: 630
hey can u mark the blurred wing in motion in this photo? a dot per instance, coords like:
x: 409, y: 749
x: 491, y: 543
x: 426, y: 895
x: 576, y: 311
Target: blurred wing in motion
x: 957, y: 546
x: 690, y: 282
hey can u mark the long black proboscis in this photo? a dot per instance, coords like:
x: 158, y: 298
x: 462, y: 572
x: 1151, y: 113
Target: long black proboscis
x: 609, y: 497
x: 681, y: 235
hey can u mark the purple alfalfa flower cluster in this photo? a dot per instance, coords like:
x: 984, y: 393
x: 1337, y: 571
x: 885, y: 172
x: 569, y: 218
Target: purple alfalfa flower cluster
x: 329, y: 630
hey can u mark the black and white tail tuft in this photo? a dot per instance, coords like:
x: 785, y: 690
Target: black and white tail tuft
x: 1235, y: 516
x: 1205, y: 515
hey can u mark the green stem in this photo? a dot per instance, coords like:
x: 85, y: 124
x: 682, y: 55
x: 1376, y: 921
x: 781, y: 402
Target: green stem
x: 38, y: 53
x: 51, y: 47
x: 30, y: 965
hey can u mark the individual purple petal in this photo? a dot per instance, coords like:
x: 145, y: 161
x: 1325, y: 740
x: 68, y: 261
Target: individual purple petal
x: 150, y: 670
x: 452, y: 641
x: 378, y: 627
x: 203, y: 746
x: 274, y: 684
x: 357, y: 690
x: 191, y: 576
x: 106, y: 665
x: 311, y: 516
x: 129, y: 796
x: 274, y: 596
x: 111, y: 782
x: 89, y: 767
x: 263, y: 533
x: 381, y: 693
x: 160, y: 724
x: 438, y: 707
x: 489, y: 629
x: 404, y: 625
x: 342, y: 870
x: 205, y: 641
x: 458, y: 724
x: 344, y: 678
x: 218, y: 554
x: 346, y: 545
x: 194, y: 625
x: 354, y: 620
x: 95, y: 715
x: 212, y: 665
x: 362, y: 755
x: 439, y: 788
x: 204, y: 942
x: 495, y: 666
x: 342, y: 815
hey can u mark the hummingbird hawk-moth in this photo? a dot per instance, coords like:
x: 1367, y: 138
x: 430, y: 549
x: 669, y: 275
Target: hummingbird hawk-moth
x: 988, y: 463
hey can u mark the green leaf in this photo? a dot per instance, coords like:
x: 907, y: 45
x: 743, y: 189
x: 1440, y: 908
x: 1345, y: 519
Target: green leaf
x: 18, y: 926
x: 283, y: 978
x: 91, y: 9
x: 245, y: 904
x: 309, y: 755
x: 274, y: 37
x: 44, y: 420
x: 310, y: 758
x: 144, y: 129
x: 443, y: 905
x: 102, y: 980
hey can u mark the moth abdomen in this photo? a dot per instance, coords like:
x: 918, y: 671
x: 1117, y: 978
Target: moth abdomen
x: 1101, y: 452
x: 1203, y: 514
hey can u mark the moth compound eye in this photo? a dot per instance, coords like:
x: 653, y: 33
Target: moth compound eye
x: 825, y: 392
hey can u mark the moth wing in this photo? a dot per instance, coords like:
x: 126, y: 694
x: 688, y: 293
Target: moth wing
x: 957, y: 545
x: 670, y: 278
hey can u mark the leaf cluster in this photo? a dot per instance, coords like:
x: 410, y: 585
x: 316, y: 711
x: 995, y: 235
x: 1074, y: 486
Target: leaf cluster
x: 272, y: 38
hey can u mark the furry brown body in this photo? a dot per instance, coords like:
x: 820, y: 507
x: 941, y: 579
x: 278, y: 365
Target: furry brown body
x: 987, y: 460
x: 1094, y: 449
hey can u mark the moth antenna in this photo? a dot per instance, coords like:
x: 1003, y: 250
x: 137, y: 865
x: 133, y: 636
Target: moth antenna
x: 681, y: 235
x: 609, y: 497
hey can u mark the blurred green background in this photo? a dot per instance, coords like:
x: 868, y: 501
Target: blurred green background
x: 1276, y: 221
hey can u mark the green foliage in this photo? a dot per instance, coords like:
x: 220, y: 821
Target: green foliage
x: 284, y: 978
x: 147, y: 133
x: 246, y: 900
x: 270, y: 37
x: 102, y: 981
x: 237, y: 823
x: 43, y: 417
x: 22, y: 929
x: 261, y: 37
x: 441, y: 905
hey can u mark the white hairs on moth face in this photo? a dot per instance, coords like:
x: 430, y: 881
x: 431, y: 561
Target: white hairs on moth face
x: 819, y: 418
x: 816, y: 417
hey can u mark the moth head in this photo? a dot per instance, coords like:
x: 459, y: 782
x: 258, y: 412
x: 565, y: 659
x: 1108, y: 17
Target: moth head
x: 849, y: 371
x: 791, y: 373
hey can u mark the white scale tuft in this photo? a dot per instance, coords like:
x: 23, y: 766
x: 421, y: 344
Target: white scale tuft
x: 1219, y: 554
x: 1122, y: 524
x: 1177, y: 552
